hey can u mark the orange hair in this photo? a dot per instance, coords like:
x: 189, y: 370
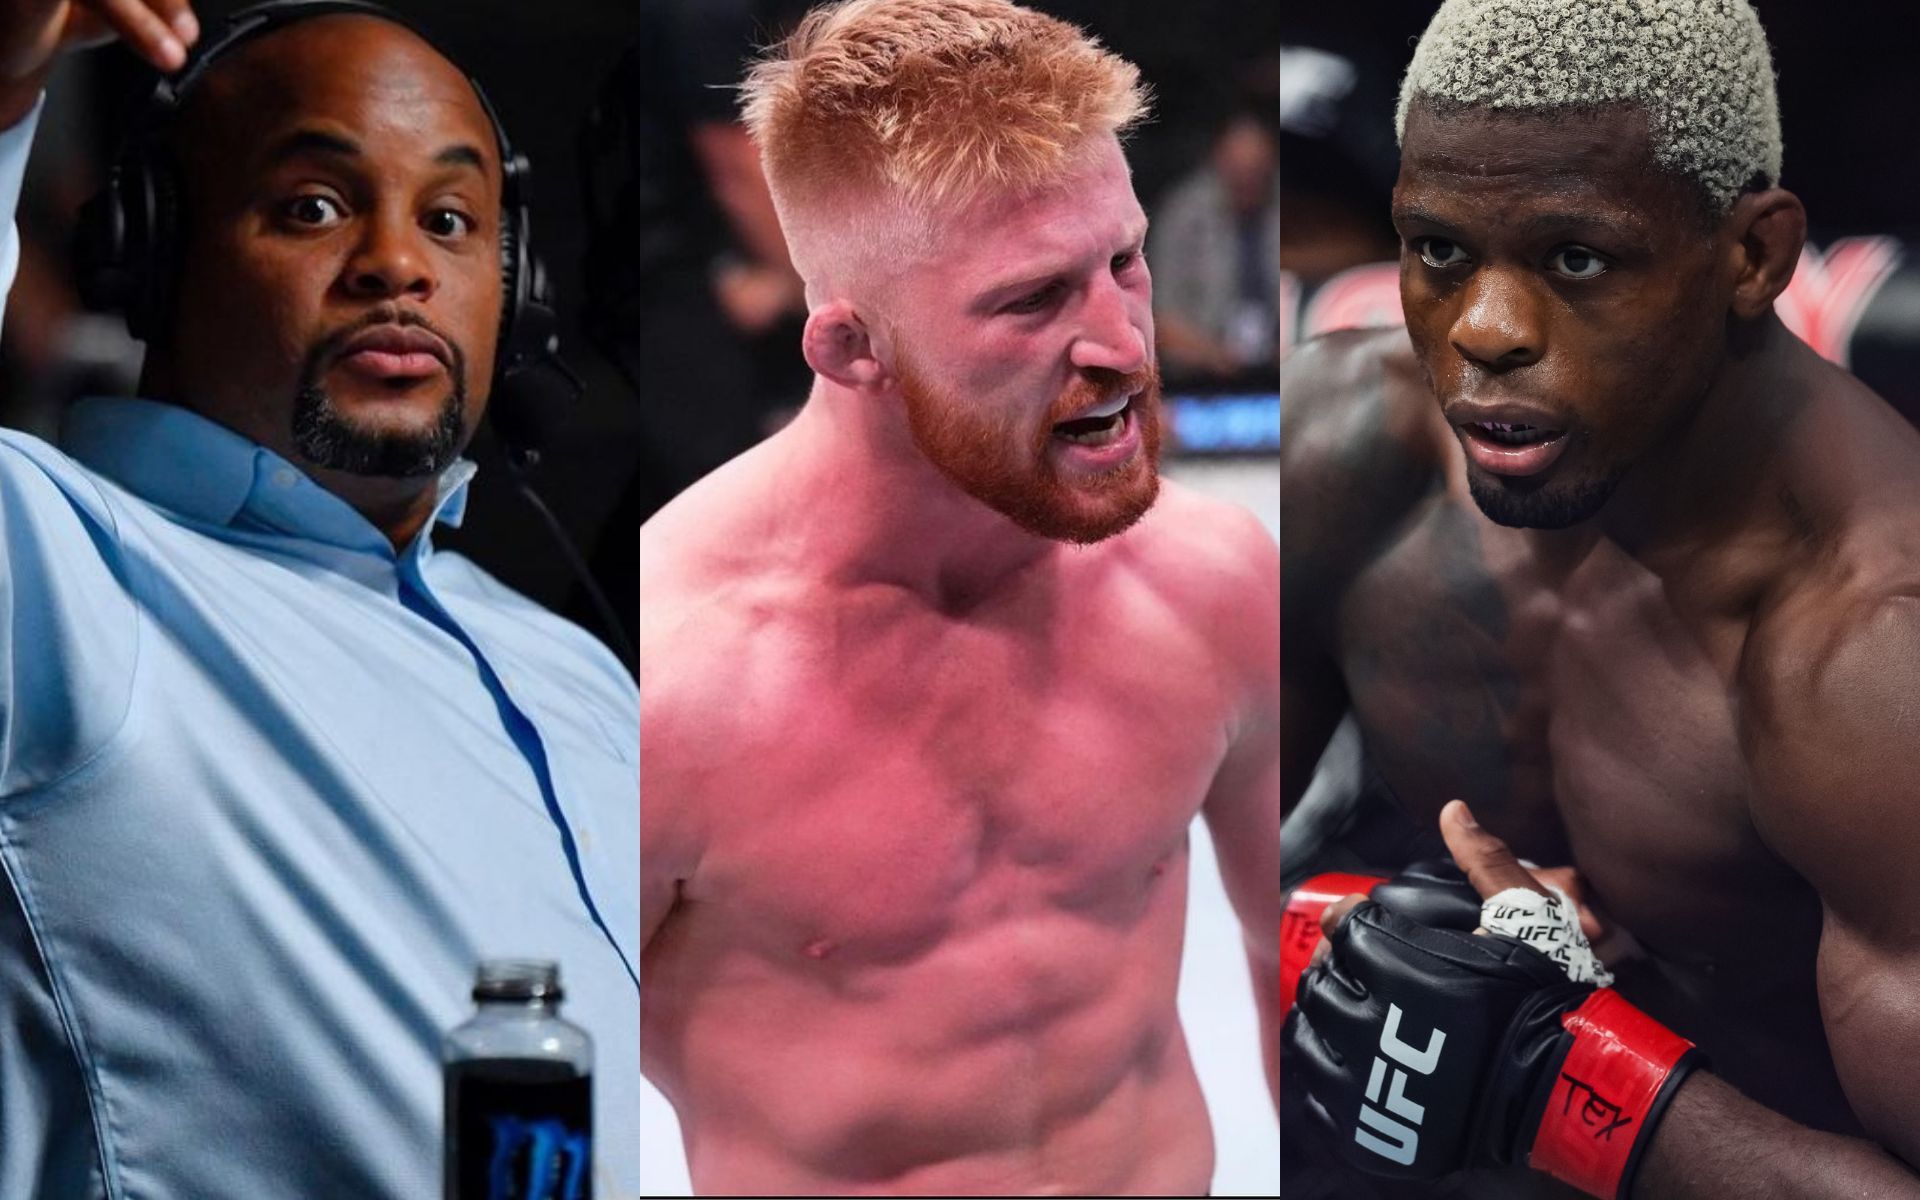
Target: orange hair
x: 934, y: 101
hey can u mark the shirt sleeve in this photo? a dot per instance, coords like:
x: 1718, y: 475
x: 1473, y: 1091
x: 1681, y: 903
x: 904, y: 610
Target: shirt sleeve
x: 69, y: 626
x: 15, y: 145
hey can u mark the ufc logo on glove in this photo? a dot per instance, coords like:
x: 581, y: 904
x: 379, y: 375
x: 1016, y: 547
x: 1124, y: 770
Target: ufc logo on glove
x: 1406, y: 1143
x: 1541, y: 1069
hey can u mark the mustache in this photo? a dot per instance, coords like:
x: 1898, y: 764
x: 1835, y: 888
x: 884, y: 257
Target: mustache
x: 331, y: 345
x: 1098, y: 384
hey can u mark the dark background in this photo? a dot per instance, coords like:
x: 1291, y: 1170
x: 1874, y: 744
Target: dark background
x: 543, y: 66
x: 1849, y: 96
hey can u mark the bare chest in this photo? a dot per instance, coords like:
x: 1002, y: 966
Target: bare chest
x: 1585, y: 719
x: 896, y: 793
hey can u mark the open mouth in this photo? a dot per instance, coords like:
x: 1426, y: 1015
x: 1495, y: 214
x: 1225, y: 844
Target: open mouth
x: 1511, y: 448
x: 1101, y: 426
x: 1514, y: 435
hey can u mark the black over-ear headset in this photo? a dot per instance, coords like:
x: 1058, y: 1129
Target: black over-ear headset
x: 127, y: 242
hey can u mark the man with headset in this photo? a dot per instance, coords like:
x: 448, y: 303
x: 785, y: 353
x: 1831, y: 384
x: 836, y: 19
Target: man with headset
x: 274, y: 773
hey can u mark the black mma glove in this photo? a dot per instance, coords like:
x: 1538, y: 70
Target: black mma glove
x: 1434, y: 893
x: 1425, y: 1051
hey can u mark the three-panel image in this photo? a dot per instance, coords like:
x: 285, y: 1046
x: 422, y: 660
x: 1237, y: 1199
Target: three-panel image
x: 957, y: 598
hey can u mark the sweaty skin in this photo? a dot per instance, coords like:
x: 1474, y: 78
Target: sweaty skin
x: 917, y: 784
x: 1695, y: 697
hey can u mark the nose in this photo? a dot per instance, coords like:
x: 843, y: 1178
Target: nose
x: 390, y: 259
x: 1499, y: 325
x: 1109, y: 336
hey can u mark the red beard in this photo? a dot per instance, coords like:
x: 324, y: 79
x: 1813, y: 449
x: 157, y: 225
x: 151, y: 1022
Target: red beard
x: 1011, y: 471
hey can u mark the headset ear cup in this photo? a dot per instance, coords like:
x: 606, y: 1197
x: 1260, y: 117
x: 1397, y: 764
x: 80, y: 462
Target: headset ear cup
x: 151, y: 241
x: 509, y: 290
x: 521, y: 280
x: 99, y: 250
x: 120, y: 231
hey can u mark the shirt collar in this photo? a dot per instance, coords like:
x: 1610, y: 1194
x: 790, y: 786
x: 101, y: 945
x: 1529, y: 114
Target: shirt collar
x: 207, y: 473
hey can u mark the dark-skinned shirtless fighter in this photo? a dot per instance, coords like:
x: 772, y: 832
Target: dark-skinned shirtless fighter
x: 1597, y: 546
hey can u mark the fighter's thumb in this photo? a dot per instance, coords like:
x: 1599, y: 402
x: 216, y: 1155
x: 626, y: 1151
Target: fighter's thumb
x: 1490, y: 866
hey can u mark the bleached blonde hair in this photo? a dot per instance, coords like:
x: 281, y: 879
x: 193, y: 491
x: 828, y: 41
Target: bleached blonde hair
x: 922, y: 105
x: 1700, y: 69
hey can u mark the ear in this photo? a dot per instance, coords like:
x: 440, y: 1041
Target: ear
x: 1768, y: 228
x: 838, y: 346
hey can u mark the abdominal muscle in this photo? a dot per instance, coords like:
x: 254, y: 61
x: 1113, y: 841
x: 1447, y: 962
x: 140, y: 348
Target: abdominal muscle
x: 1012, y: 1045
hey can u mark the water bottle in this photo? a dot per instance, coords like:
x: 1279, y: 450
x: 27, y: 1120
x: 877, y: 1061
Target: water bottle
x: 519, y: 1091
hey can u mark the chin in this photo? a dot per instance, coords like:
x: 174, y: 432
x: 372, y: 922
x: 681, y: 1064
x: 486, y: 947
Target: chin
x: 1081, y: 515
x: 428, y: 437
x: 1530, y: 504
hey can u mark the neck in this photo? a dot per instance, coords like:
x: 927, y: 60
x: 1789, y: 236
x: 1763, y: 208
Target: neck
x: 867, y: 507
x: 1706, y: 477
x: 398, y: 508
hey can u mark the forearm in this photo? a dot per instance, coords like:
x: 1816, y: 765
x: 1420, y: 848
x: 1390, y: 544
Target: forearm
x: 1715, y: 1143
x: 18, y: 97
x: 18, y: 109
x: 1266, y: 998
x: 1270, y: 1052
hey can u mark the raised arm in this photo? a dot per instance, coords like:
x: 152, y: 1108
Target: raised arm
x: 34, y: 33
x: 39, y: 736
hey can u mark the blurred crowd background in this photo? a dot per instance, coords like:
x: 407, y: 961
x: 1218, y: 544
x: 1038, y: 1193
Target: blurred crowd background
x: 563, y: 76
x: 1846, y: 88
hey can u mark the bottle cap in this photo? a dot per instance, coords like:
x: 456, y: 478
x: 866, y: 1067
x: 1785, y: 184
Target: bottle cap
x: 517, y: 979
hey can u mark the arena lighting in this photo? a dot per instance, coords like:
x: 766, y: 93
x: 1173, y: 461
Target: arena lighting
x: 1224, y: 423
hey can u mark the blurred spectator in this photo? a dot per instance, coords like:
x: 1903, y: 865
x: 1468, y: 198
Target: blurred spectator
x: 1214, y: 248
x: 717, y: 291
x: 1336, y: 141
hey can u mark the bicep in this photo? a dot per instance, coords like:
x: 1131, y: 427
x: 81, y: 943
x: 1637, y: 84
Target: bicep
x: 1869, y: 982
x: 1836, y: 753
x: 1243, y: 818
x: 1242, y: 807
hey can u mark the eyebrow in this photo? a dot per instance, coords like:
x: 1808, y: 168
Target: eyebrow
x: 1544, y: 223
x: 1037, y: 276
x: 303, y: 142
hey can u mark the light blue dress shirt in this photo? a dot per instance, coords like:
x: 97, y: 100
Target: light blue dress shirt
x: 268, y: 790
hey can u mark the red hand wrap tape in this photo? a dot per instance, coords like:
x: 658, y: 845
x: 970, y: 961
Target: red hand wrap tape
x: 1598, y: 1107
x: 1300, y: 923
